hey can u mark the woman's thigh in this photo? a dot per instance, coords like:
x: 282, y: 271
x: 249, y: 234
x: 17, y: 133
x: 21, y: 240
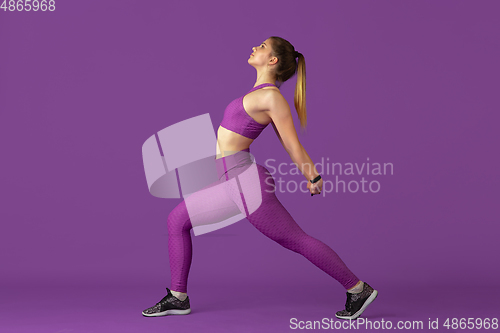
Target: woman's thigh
x: 271, y: 217
x: 214, y: 203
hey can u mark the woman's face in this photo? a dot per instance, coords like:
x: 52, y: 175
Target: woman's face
x: 261, y: 54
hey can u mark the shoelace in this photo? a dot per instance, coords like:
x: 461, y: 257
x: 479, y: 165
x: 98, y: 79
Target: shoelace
x: 348, y: 304
x: 163, y: 300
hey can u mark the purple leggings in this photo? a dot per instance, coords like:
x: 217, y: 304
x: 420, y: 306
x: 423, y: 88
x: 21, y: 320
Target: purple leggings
x: 232, y: 195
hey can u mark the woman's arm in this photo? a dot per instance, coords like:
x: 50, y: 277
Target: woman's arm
x: 278, y: 134
x: 279, y: 111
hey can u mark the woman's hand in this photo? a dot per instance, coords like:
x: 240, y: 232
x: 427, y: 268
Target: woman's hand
x: 315, y: 188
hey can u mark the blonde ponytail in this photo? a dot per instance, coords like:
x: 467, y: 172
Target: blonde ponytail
x: 300, y: 92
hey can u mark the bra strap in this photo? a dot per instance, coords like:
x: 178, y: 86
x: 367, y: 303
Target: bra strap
x: 261, y: 86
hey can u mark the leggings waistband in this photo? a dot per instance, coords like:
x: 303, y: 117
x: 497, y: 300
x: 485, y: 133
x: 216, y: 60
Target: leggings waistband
x: 238, y: 159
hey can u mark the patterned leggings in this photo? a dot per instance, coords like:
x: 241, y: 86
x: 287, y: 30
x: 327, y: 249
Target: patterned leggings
x: 238, y: 192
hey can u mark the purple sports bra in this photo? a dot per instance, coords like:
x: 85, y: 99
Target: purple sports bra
x: 236, y: 119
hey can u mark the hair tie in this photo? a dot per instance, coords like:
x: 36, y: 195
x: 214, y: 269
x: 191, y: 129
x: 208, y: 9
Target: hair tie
x: 296, y: 54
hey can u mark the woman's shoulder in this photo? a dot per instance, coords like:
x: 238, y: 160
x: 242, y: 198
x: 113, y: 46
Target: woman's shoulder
x: 273, y: 99
x: 273, y: 95
x: 271, y: 92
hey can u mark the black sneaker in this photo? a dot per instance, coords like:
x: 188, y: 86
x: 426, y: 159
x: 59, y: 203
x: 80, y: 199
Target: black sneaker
x: 168, y: 305
x: 357, y: 303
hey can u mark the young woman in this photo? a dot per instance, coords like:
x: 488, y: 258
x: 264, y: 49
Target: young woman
x: 234, y: 193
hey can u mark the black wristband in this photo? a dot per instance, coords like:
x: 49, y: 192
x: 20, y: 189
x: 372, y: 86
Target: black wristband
x: 315, y: 179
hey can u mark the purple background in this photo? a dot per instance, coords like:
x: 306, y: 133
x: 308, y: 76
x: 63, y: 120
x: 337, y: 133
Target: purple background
x: 83, y: 244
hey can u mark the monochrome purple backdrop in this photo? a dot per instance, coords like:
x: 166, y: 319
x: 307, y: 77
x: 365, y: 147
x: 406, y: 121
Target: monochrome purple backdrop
x: 83, y: 244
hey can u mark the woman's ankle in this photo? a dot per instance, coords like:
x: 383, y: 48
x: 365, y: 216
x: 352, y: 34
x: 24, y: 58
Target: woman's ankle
x: 179, y: 295
x: 357, y: 288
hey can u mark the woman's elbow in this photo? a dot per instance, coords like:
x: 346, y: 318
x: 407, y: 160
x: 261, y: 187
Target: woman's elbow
x: 294, y: 149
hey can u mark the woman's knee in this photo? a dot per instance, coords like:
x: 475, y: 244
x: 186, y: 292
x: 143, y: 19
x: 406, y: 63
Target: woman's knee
x: 178, y: 219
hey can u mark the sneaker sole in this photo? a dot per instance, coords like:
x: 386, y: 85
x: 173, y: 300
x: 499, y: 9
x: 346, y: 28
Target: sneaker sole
x: 360, y: 311
x: 168, y: 312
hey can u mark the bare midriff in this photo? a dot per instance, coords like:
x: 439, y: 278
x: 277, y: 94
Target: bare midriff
x: 229, y: 142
